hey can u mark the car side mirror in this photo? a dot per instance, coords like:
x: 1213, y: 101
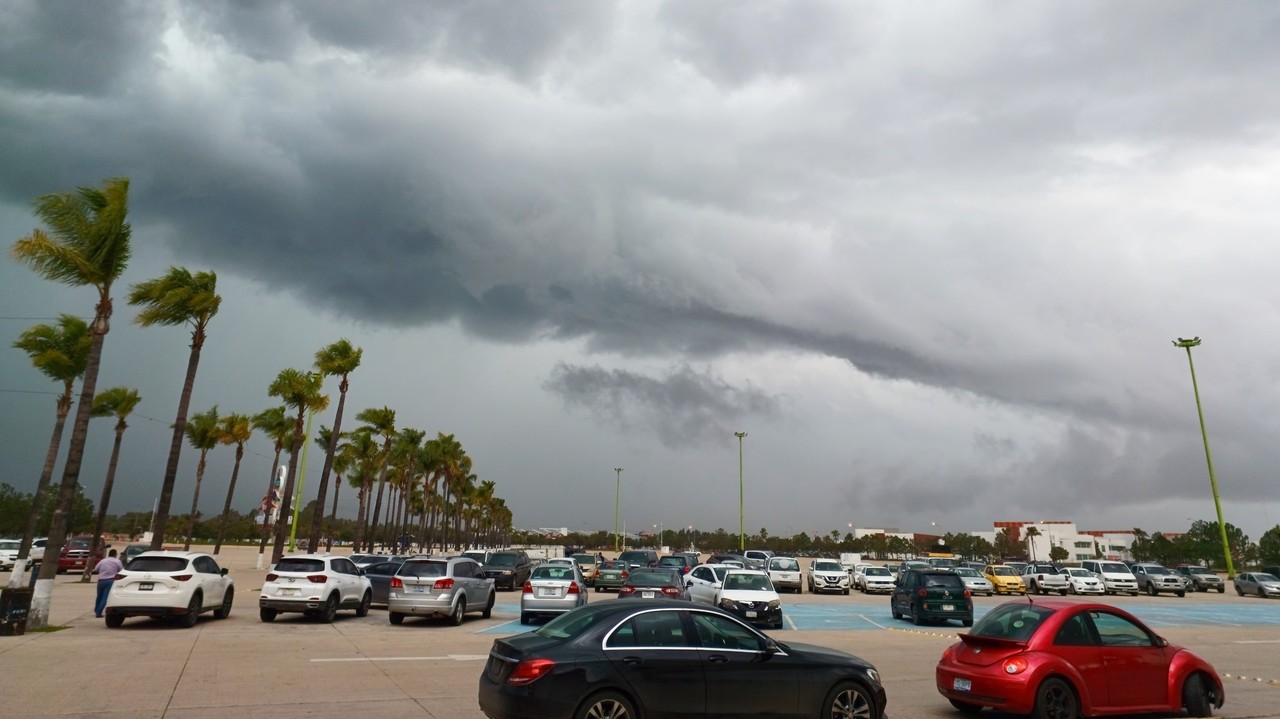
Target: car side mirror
x: 224, y: 571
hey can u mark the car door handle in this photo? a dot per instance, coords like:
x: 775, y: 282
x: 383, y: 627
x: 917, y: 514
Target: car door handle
x: 633, y: 661
x: 718, y: 659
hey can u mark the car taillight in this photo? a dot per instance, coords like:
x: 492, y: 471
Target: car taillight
x: 527, y: 588
x: 671, y: 591
x: 446, y: 583
x: 626, y: 589
x: 317, y: 578
x: 120, y: 575
x: 270, y: 577
x: 1015, y: 665
x: 967, y: 594
x: 573, y: 587
x: 922, y: 592
x: 624, y: 574
x: 530, y: 670
x: 396, y: 583
x: 181, y: 577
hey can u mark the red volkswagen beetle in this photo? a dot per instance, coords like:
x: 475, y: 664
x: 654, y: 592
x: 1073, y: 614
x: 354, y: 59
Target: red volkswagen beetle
x: 1060, y: 659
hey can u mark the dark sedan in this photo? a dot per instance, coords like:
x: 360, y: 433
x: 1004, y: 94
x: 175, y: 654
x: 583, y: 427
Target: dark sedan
x: 653, y: 583
x: 380, y: 575
x: 658, y: 658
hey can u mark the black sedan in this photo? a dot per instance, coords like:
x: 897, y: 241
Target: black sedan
x: 664, y: 658
x: 380, y: 575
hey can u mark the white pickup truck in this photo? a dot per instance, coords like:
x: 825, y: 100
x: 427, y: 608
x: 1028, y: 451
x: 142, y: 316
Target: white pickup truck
x: 1044, y: 578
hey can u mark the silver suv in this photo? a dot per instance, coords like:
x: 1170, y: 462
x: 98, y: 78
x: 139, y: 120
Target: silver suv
x: 318, y: 585
x: 428, y: 587
x: 1157, y: 578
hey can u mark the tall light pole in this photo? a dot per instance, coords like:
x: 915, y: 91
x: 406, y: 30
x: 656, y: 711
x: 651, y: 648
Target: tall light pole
x: 742, y: 530
x: 1213, y: 481
x: 302, y: 476
x: 617, y: 495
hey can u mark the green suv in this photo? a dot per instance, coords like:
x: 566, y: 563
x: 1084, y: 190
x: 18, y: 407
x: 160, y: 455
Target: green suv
x: 931, y: 595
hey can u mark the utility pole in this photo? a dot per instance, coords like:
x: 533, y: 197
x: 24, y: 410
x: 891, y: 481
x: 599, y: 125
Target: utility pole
x: 742, y: 532
x: 617, y: 496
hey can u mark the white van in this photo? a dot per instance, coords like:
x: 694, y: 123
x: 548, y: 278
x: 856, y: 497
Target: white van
x: 1115, y: 576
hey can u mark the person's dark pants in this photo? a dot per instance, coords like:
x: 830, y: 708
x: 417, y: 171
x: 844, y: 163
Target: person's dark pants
x: 104, y: 588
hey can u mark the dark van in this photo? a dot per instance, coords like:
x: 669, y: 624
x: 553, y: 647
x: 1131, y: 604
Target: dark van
x: 931, y: 595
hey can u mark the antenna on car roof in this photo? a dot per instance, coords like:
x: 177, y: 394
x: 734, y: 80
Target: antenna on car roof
x: 1030, y: 602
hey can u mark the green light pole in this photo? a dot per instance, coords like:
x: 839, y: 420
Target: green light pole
x: 1213, y: 482
x: 617, y: 495
x: 742, y: 534
x: 302, y: 477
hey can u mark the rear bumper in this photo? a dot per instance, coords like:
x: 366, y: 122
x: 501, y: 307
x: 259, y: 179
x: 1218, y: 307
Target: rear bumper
x: 146, y: 611
x: 290, y: 605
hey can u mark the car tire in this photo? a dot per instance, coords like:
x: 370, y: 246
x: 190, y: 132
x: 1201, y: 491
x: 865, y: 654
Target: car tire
x: 1071, y: 589
x: 606, y: 705
x: 330, y: 611
x: 1261, y: 593
x: 115, y: 621
x: 1181, y: 594
x: 846, y: 591
x: 365, y: 602
x: 395, y: 617
x: 915, y: 615
x: 1062, y: 592
x: 893, y: 607
x: 1221, y: 589
x: 193, y: 611
x: 1195, y: 697
x: 848, y: 699
x: 965, y: 707
x: 1239, y: 591
x: 224, y: 610
x: 267, y: 615
x: 967, y: 622
x: 1151, y: 590
x: 525, y: 618
x: 459, y: 610
x: 1055, y: 700
x: 488, y: 606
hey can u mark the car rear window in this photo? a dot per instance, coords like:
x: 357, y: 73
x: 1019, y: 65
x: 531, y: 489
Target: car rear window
x: 651, y: 578
x: 552, y: 571
x: 424, y: 569
x: 299, y: 565
x: 584, y: 559
x: 942, y: 581
x: 503, y: 560
x: 1015, y: 621
x: 672, y: 562
x: 784, y: 565
x: 158, y: 564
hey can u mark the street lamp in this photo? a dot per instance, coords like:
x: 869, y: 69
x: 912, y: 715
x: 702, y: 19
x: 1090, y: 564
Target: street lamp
x: 742, y: 533
x: 617, y: 495
x: 658, y: 527
x: 1213, y: 482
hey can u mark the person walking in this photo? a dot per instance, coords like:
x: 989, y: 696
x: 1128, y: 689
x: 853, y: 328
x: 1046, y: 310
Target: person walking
x: 106, y: 570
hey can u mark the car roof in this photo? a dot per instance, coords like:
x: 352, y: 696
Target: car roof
x: 756, y: 572
x: 171, y: 553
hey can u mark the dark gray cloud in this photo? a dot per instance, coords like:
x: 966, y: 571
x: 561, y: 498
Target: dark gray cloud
x: 685, y: 407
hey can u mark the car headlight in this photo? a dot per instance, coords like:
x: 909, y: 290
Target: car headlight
x: 728, y: 604
x: 873, y: 675
x: 776, y: 603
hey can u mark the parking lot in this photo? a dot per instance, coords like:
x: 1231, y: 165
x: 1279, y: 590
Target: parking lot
x: 297, y: 667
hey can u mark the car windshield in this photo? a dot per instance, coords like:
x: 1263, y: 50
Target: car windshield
x: 1265, y: 578
x: 1156, y: 570
x: 503, y: 560
x: 1003, y: 571
x: 158, y: 564
x: 295, y: 565
x: 553, y: 571
x: 1080, y: 572
x: 651, y: 578
x: 785, y: 565
x: 827, y: 567
x: 1015, y: 621
x: 747, y: 582
x: 966, y: 572
x: 424, y: 569
x: 584, y: 558
x: 1115, y: 567
x: 877, y: 572
x: 1198, y: 570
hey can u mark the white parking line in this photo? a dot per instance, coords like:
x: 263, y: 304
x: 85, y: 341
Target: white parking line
x: 454, y: 657
x: 1257, y: 641
x: 865, y: 618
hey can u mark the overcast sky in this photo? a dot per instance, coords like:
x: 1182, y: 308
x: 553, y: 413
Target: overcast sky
x: 930, y: 257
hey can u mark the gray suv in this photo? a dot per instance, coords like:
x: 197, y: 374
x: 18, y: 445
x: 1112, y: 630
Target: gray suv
x: 426, y: 587
x: 1202, y: 579
x: 1156, y: 578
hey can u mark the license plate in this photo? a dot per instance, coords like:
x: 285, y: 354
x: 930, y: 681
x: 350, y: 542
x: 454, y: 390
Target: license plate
x: 288, y: 592
x: 146, y: 586
x: 647, y: 595
x: 751, y: 614
x: 948, y: 607
x: 961, y: 685
x: 549, y: 592
x: 415, y: 589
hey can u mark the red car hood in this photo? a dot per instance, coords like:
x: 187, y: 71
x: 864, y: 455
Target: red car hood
x: 985, y: 651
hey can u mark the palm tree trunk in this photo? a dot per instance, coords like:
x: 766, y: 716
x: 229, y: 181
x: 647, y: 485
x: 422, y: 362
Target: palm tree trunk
x: 366, y: 486
x: 313, y: 539
x: 333, y: 516
x: 175, y: 445
x: 95, y: 550
x: 377, y: 506
x: 286, y: 503
x: 226, y: 507
x: 38, y: 615
x: 18, y: 577
x: 271, y: 482
x: 195, y: 501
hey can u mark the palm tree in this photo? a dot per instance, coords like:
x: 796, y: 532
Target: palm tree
x: 363, y: 455
x: 339, y: 359
x: 381, y: 422
x: 300, y: 391
x: 177, y: 298
x: 116, y: 402
x: 87, y: 244
x: 404, y: 459
x: 60, y: 353
x: 1032, y: 533
x: 203, y: 433
x: 232, y: 429
x: 275, y: 423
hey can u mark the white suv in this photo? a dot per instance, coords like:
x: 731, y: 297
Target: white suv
x: 318, y: 585
x: 170, y: 584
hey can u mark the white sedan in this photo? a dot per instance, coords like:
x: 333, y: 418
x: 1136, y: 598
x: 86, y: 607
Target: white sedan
x: 1082, y: 581
x: 828, y: 575
x: 876, y: 580
x: 975, y: 582
x: 170, y: 584
x: 858, y: 572
x: 704, y: 580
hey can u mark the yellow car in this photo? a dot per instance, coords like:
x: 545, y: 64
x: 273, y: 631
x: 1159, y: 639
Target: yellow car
x: 1005, y: 580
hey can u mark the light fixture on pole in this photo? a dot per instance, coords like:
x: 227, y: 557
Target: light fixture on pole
x: 617, y: 495
x: 1213, y: 482
x: 742, y: 533
x: 658, y: 527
